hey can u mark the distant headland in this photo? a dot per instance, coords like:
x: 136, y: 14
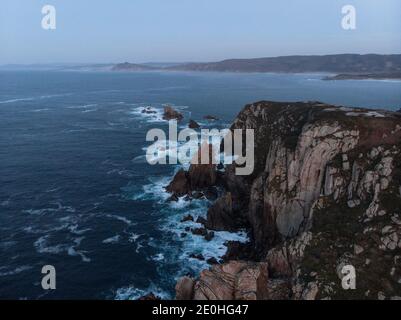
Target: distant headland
x: 343, y: 66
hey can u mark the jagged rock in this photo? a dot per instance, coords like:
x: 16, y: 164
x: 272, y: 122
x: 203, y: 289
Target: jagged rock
x: 325, y: 193
x: 193, y: 124
x: 199, y: 232
x: 149, y: 110
x: 200, y: 177
x: 171, y: 114
x: 209, y: 236
x: 203, y: 175
x: 201, y: 220
x: 234, y: 280
x: 278, y: 289
x: 358, y: 249
x: 180, y: 184
x: 197, y: 195
x: 296, y: 143
x: 184, y: 288
x: 283, y: 259
x: 211, y: 193
x: 250, y: 283
x: 150, y: 296
x: 220, y: 214
x: 239, y: 251
x: 197, y: 256
x: 310, y: 291
x: 173, y: 198
x: 187, y: 218
x: 212, y: 260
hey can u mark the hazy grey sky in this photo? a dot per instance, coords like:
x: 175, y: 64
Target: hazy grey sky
x: 193, y: 30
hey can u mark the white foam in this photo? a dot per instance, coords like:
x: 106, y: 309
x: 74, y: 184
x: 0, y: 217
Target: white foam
x: 373, y: 114
x: 41, y: 110
x: 89, y: 110
x: 84, y: 106
x: 133, y: 237
x: 42, y: 246
x: 13, y: 271
x: 73, y: 252
x: 112, y: 240
x: 43, y: 211
x: 155, y: 190
x: 121, y: 172
x: 171, y: 223
x: 34, y: 98
x: 16, y: 100
x: 121, y: 218
x: 158, y: 257
x: 155, y: 116
x: 134, y: 293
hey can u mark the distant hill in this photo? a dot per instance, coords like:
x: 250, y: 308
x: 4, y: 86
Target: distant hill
x: 339, y: 63
x: 126, y: 66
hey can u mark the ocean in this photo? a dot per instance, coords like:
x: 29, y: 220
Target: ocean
x: 77, y: 193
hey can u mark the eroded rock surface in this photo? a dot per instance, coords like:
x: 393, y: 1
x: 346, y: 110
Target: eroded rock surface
x: 325, y: 192
x: 171, y: 114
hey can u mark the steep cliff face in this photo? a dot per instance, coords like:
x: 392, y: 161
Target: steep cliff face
x: 325, y: 192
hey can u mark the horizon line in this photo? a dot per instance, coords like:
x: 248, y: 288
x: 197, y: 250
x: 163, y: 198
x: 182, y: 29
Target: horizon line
x: 193, y: 61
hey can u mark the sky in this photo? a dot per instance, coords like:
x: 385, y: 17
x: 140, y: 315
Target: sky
x: 100, y: 31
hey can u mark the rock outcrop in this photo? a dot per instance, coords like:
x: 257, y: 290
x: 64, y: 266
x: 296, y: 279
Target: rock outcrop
x: 199, y: 177
x: 325, y: 192
x: 193, y: 124
x: 210, y: 117
x: 171, y: 114
x: 235, y: 280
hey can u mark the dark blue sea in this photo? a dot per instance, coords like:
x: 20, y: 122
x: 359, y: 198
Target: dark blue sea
x: 77, y: 193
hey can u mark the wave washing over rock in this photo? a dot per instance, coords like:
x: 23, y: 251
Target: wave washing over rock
x: 325, y: 192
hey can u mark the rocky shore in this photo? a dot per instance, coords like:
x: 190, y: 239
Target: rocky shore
x: 325, y: 192
x: 366, y: 76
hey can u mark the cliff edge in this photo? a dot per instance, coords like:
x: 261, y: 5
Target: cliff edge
x: 325, y: 193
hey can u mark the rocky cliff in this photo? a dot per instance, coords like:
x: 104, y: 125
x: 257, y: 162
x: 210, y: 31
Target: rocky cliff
x: 325, y: 192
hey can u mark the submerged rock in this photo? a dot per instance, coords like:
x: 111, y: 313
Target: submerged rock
x: 212, y: 260
x: 187, y: 218
x: 197, y: 256
x: 209, y: 236
x: 210, y: 117
x: 149, y: 110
